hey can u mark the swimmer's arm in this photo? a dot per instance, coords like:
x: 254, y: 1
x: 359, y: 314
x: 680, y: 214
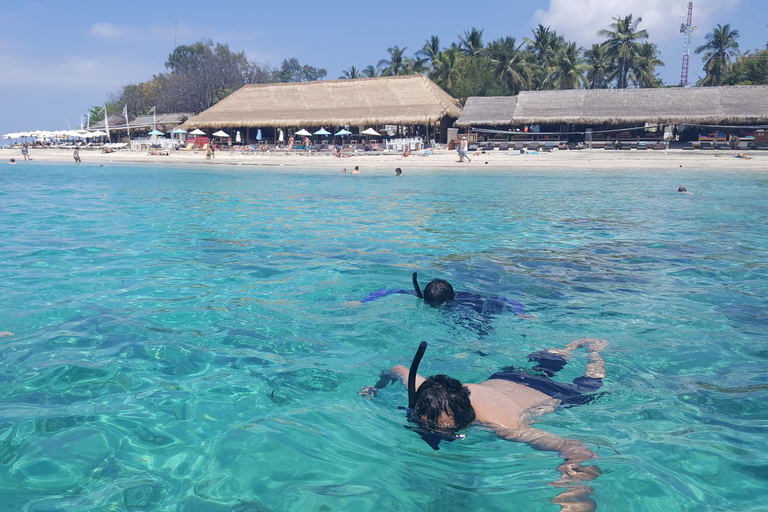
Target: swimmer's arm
x: 575, y: 495
x: 398, y: 372
x: 571, y: 451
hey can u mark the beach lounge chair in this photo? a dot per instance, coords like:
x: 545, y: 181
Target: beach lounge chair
x: 609, y: 145
x: 519, y: 146
x: 642, y: 145
x: 503, y: 146
x: 548, y: 146
x: 434, y: 144
x: 625, y: 144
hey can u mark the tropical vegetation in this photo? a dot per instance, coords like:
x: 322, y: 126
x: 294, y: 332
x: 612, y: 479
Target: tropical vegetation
x: 203, y: 73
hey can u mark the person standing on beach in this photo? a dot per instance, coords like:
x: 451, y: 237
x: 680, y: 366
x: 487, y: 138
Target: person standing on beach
x: 25, y: 152
x: 463, y: 147
x: 76, y: 155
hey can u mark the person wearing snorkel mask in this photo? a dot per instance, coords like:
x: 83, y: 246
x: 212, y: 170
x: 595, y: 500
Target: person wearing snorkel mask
x: 469, y: 309
x: 506, y: 402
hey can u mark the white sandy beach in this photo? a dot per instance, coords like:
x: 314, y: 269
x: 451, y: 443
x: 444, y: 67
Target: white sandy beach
x: 597, y: 159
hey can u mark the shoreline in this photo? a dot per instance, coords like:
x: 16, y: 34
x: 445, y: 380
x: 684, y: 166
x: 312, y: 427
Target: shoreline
x: 586, y: 159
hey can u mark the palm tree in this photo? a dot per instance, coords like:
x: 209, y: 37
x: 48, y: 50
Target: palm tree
x: 431, y: 49
x: 567, y: 70
x: 472, y: 42
x: 392, y: 66
x: 445, y: 68
x: 511, y: 63
x: 721, y: 45
x: 351, y: 73
x: 643, y: 71
x: 598, y: 63
x: 622, y: 45
x: 369, y: 72
x: 544, y: 47
x: 415, y: 66
x: 545, y: 43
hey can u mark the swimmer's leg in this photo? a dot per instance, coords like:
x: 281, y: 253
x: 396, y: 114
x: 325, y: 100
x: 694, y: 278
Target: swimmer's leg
x: 552, y: 360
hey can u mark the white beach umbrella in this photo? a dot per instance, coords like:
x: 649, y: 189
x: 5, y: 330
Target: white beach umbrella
x: 303, y: 133
x: 221, y: 133
x: 369, y: 131
x: 237, y: 136
x: 197, y: 131
x: 98, y: 133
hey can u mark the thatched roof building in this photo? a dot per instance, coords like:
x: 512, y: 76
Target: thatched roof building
x: 397, y: 100
x: 694, y: 105
x: 488, y: 111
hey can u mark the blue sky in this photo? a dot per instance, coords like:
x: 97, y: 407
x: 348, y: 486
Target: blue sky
x: 59, y: 58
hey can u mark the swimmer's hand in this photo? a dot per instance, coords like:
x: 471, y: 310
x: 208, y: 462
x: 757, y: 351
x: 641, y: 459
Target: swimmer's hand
x: 368, y: 392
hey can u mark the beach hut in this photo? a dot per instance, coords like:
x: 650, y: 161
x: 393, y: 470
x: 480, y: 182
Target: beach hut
x: 413, y: 101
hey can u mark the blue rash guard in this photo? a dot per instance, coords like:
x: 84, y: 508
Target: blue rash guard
x: 469, y: 309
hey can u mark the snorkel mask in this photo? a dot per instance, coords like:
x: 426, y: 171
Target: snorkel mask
x: 432, y: 436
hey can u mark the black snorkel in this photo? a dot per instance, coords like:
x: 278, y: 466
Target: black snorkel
x: 419, y: 295
x: 430, y: 436
x: 415, y: 367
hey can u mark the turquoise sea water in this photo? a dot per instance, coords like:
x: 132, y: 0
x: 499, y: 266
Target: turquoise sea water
x: 184, y: 339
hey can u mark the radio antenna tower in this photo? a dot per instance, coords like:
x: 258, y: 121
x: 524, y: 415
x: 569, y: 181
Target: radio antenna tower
x: 687, y: 29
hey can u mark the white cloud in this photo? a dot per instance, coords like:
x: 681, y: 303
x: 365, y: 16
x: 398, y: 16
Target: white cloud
x: 580, y: 20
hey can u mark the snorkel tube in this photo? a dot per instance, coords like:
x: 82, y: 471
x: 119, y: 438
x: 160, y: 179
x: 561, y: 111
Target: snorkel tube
x: 419, y: 295
x: 415, y: 367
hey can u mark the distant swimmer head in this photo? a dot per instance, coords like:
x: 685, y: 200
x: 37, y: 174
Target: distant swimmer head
x: 681, y: 189
x: 443, y: 404
x: 438, y: 291
x: 398, y: 171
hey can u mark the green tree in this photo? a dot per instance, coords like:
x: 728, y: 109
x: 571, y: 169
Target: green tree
x: 644, y: 66
x: 204, y: 73
x: 598, y: 63
x: 622, y: 46
x: 510, y: 64
x: 291, y: 71
x: 445, y: 68
x: 415, y: 66
x: 471, y: 42
x: 749, y: 69
x: 720, y: 46
x: 431, y: 49
x: 545, y: 46
x: 393, y: 65
x: 351, y: 73
x: 567, y: 70
x: 370, y: 72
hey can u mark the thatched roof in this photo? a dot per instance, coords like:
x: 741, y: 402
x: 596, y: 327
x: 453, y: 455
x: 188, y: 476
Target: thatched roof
x: 693, y: 105
x: 488, y: 111
x: 412, y: 99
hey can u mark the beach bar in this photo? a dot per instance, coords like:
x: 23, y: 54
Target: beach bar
x: 397, y: 106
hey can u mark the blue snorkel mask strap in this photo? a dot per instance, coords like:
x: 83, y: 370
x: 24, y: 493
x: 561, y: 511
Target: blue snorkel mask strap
x: 430, y: 436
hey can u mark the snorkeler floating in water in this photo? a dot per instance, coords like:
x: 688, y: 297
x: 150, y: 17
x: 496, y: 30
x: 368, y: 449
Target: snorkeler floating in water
x: 471, y: 309
x: 440, y: 406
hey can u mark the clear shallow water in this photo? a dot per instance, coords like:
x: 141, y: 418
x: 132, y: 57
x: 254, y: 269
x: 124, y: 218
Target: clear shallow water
x: 182, y: 338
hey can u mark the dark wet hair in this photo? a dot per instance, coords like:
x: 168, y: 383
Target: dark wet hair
x: 443, y: 394
x: 438, y: 291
